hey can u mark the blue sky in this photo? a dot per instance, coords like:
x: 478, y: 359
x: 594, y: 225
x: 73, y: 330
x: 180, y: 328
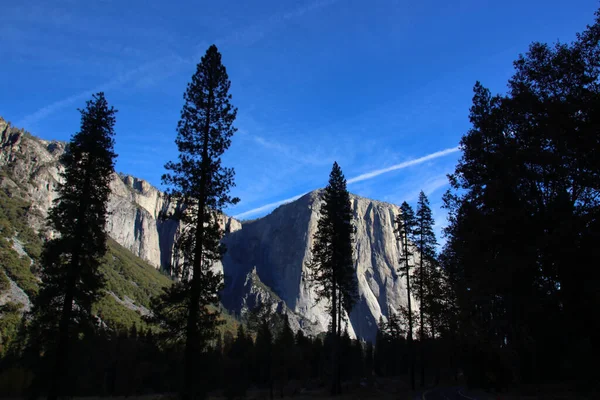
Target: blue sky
x: 371, y: 84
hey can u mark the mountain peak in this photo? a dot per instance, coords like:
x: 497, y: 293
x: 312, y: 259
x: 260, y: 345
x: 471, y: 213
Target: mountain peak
x: 277, y: 247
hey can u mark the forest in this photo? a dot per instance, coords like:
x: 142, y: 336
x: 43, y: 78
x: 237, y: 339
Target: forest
x: 508, y: 304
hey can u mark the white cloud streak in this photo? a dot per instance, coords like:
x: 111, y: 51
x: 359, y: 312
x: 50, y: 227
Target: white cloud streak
x: 143, y: 70
x: 434, y: 185
x: 402, y: 165
x: 429, y: 187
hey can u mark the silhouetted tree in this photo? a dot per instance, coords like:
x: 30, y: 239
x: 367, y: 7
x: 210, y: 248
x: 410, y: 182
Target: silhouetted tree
x: 304, y: 350
x: 284, y: 357
x: 264, y: 356
x: 237, y: 373
x: 422, y: 275
x: 71, y: 281
x: 405, y: 230
x: 369, y: 363
x: 331, y: 269
x: 523, y: 214
x: 201, y: 184
x: 390, y: 347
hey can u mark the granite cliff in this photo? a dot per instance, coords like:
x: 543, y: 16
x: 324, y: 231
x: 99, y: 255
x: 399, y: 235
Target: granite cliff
x: 277, y: 248
x: 266, y: 257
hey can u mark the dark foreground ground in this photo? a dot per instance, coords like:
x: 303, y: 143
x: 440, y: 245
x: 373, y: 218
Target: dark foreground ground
x: 382, y: 389
x: 548, y: 392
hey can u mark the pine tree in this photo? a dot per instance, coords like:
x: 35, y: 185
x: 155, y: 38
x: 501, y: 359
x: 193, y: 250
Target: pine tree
x: 405, y: 230
x: 284, y: 359
x: 524, y: 212
x: 303, y: 347
x: 426, y: 244
x: 264, y: 356
x: 331, y: 270
x: 369, y: 363
x: 201, y: 185
x: 380, y: 352
x: 71, y: 281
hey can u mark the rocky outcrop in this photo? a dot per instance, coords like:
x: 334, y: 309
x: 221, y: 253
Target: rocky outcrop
x: 134, y: 205
x: 278, y: 247
x: 266, y: 257
x: 255, y: 294
x: 14, y: 294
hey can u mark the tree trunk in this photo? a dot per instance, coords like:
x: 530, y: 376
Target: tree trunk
x: 191, y: 343
x: 432, y: 349
x: 334, y: 337
x: 410, y: 321
x: 62, y: 348
x: 422, y: 336
x: 339, y: 335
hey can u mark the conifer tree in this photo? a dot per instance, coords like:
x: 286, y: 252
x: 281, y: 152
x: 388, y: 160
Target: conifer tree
x: 405, y: 230
x: 284, y: 354
x: 426, y: 243
x: 71, y: 281
x: 331, y: 270
x: 201, y: 184
x: 264, y: 356
x: 524, y: 215
x: 369, y: 363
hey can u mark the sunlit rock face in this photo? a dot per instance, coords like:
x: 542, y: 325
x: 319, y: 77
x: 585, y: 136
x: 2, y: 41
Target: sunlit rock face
x: 278, y: 247
x: 134, y: 204
x: 272, y: 250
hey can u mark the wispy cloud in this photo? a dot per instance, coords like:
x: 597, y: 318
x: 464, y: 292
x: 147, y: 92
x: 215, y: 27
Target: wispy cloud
x: 266, y: 207
x: 256, y: 32
x: 430, y: 187
x: 144, y: 70
x: 405, y: 164
x: 149, y: 72
x: 290, y: 153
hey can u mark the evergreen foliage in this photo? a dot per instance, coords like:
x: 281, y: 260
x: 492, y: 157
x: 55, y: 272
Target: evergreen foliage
x: 71, y: 279
x: 511, y: 300
x: 331, y: 269
x: 423, y: 274
x: 201, y: 184
x: 285, y: 355
x: 524, y: 217
x: 406, y: 224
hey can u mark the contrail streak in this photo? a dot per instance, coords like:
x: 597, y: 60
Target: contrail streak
x: 359, y: 178
x: 405, y: 164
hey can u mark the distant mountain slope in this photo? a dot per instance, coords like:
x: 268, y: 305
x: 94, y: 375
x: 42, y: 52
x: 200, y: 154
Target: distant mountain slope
x: 28, y: 174
x: 266, y: 257
x: 131, y: 282
x: 135, y: 205
x: 278, y: 246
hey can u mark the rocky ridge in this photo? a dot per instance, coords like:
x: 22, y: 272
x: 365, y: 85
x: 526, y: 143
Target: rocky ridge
x: 266, y: 257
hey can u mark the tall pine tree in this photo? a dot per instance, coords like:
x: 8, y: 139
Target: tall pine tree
x: 201, y: 184
x: 71, y: 281
x: 264, y: 356
x: 524, y: 214
x: 405, y: 230
x: 426, y: 243
x: 331, y: 269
